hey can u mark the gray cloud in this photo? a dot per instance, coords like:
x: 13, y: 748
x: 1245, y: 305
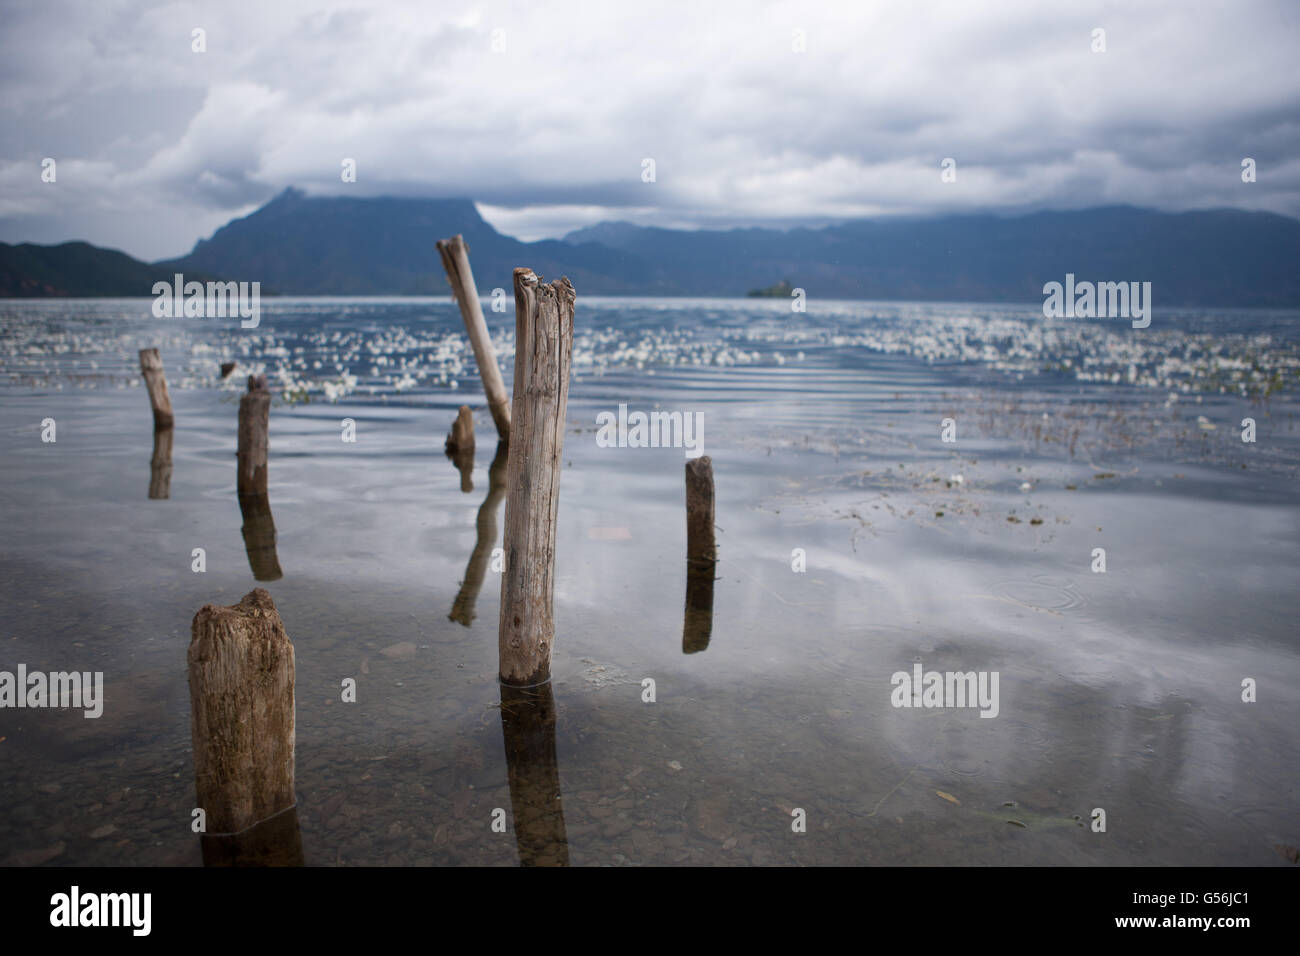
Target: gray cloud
x: 157, y: 145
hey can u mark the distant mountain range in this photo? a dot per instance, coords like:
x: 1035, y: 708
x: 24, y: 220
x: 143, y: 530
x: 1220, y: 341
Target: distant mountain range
x: 295, y: 245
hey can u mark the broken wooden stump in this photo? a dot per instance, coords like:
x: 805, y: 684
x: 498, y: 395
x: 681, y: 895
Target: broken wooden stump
x: 543, y: 355
x: 701, y: 555
x: 528, y: 725
x: 155, y: 381
x: 460, y: 447
x: 160, y: 465
x: 251, y: 451
x: 462, y: 432
x: 462, y: 609
x: 455, y: 260
x: 241, y: 671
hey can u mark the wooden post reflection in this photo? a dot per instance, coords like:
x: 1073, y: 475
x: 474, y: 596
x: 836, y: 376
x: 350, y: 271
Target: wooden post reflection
x: 251, y: 455
x: 701, y: 555
x: 273, y: 842
x: 528, y: 724
x: 259, y: 537
x: 464, y: 462
x: 160, y: 466
x: 462, y: 609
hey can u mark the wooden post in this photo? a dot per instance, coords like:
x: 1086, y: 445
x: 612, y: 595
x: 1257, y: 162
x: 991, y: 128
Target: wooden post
x: 254, y: 422
x: 528, y: 725
x: 543, y: 354
x: 701, y: 555
x: 462, y: 609
x: 241, y: 668
x: 460, y: 447
x: 160, y: 465
x: 155, y: 381
x: 455, y: 259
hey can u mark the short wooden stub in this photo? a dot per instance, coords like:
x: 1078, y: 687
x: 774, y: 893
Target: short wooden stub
x: 455, y: 260
x: 701, y: 555
x: 241, y: 667
x: 462, y: 609
x: 160, y: 465
x: 254, y: 422
x: 528, y: 725
x: 155, y: 382
x: 462, y: 432
x: 543, y: 355
x: 460, y: 447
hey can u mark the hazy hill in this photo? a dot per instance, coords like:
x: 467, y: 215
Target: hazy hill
x: 341, y: 246
x: 338, y: 246
x: 74, y: 269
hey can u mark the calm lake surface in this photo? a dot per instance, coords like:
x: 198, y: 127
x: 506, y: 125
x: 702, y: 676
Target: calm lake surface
x: 1120, y: 690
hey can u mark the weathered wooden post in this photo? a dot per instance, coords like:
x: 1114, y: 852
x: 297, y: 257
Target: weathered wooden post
x: 701, y: 555
x: 155, y: 382
x: 254, y: 505
x: 543, y: 355
x: 462, y: 609
x: 254, y: 423
x: 241, y: 670
x: 160, y: 465
x: 460, y: 447
x: 528, y: 725
x: 455, y: 259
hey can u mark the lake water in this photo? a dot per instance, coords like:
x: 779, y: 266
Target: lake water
x: 1120, y: 691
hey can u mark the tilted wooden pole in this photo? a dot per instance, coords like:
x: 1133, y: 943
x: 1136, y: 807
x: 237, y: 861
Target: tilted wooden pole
x: 241, y: 669
x: 155, y: 381
x: 543, y: 355
x: 455, y: 259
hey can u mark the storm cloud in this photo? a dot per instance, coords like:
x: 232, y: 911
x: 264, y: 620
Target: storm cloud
x: 772, y: 114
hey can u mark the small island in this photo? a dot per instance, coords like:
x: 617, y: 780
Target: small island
x: 781, y: 290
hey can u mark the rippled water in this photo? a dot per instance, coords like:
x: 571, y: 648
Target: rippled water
x: 1119, y: 691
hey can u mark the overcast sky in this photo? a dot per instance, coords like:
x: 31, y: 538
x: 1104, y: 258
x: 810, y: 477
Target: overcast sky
x: 157, y: 145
